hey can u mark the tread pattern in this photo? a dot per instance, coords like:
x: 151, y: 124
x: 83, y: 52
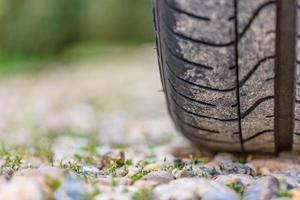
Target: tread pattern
x: 296, y: 135
x: 257, y: 46
x: 196, y: 48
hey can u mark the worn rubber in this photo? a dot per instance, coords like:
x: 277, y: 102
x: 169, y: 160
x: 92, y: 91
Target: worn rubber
x: 221, y: 63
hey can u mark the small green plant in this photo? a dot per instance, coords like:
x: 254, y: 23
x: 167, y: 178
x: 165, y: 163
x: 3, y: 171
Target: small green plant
x: 283, y: 193
x: 12, y: 162
x: 140, y: 175
x: 179, y: 164
x: 143, y: 195
x: 128, y: 162
x: 242, y: 160
x: 110, y: 169
x: 114, y: 183
x: 237, y: 187
x: 52, y: 183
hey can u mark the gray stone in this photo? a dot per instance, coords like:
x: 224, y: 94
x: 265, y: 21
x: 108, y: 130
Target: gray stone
x: 237, y: 168
x: 159, y: 176
x: 245, y: 179
x: 91, y: 171
x: 263, y: 188
x: 202, y: 170
x: 287, y: 181
x: 224, y: 158
x: 192, y: 188
x: 73, y: 189
x: 220, y: 196
x: 24, y: 188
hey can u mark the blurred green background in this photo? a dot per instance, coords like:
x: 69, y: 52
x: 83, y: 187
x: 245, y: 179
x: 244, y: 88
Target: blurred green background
x: 41, y: 29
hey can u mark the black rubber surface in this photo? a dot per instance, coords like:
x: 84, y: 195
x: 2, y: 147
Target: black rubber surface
x: 228, y: 71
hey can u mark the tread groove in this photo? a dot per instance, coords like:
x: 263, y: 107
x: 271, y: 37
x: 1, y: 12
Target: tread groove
x: 181, y: 11
x: 242, y: 82
x: 186, y: 60
x: 226, y: 44
x: 189, y: 98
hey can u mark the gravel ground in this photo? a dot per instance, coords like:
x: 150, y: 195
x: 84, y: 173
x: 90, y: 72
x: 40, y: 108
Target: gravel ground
x: 100, y: 130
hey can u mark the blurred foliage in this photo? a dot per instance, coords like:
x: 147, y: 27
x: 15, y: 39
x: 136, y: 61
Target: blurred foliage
x: 39, y: 27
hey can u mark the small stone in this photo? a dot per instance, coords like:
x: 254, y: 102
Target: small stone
x: 24, y: 188
x: 219, y: 196
x: 245, y: 179
x: 286, y: 181
x: 160, y: 177
x: 275, y: 164
x: 110, y: 157
x: 73, y: 189
x: 205, y: 171
x: 221, y: 158
x: 177, y: 173
x: 263, y: 171
x: 192, y: 188
x: 295, y: 193
x: 263, y: 188
x: 121, y: 171
x: 289, y: 157
x: 90, y: 171
x: 145, y: 184
x: 132, y: 170
x: 237, y: 168
x: 110, y: 181
x: 184, y: 152
x: 152, y: 166
x: 52, y: 172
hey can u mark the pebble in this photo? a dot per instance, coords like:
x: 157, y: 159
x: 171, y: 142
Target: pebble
x: 90, y: 171
x: 152, y: 166
x: 286, y: 180
x: 73, y: 188
x: 110, y: 181
x: 177, y: 173
x: 295, y: 193
x: 192, y: 188
x: 263, y: 188
x: 237, y: 168
x: 275, y: 164
x: 132, y: 170
x: 188, y: 151
x: 202, y: 170
x: 160, y: 177
x: 219, y: 196
x: 108, y: 158
x: 245, y: 179
x: 222, y: 158
x: 41, y: 172
x: 24, y: 188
